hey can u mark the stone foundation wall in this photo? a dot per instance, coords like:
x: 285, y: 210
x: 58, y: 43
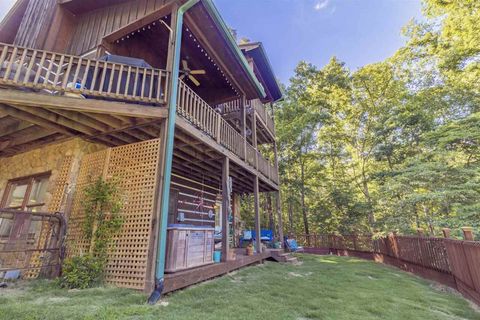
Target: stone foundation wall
x: 49, y: 158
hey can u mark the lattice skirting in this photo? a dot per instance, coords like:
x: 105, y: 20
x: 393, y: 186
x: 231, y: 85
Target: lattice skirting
x: 135, y: 167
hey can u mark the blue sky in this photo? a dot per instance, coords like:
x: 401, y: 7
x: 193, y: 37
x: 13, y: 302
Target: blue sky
x: 358, y: 32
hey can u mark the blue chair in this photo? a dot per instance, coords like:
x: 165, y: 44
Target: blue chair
x: 292, y: 245
x: 247, y: 236
x: 266, y: 235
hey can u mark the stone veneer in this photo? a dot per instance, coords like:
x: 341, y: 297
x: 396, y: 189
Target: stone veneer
x: 47, y: 158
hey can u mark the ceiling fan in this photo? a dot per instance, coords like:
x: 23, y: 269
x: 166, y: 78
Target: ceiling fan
x: 187, y: 72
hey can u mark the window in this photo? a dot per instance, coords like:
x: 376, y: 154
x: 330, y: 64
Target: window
x: 24, y: 194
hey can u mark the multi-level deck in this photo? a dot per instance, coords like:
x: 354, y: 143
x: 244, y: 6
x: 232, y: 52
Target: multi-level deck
x: 108, y: 98
x: 87, y: 91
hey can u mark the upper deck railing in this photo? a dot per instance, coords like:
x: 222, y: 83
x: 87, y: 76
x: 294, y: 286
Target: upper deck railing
x: 264, y: 115
x: 193, y: 108
x: 62, y: 74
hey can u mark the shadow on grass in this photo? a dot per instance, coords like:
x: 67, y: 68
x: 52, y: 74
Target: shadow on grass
x: 322, y: 287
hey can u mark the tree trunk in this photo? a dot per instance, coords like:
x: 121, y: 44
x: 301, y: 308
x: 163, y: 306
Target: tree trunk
x: 304, y: 208
x: 290, y: 219
x: 271, y: 216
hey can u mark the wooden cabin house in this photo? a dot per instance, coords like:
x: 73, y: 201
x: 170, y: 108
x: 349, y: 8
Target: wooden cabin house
x: 154, y: 93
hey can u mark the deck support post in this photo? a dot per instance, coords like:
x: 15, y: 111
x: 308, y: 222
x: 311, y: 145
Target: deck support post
x: 256, y: 195
x: 254, y: 136
x: 225, y: 208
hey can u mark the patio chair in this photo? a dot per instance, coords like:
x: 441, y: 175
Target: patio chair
x: 292, y: 245
x: 247, y: 236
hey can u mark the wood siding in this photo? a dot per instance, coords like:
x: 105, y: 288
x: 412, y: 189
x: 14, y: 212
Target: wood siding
x: 95, y: 25
x: 35, y: 24
x: 194, y: 200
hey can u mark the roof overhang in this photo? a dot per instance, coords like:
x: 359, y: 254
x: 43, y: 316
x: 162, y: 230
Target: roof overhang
x: 231, y: 42
x: 257, y: 52
x: 11, y: 22
x: 83, y: 6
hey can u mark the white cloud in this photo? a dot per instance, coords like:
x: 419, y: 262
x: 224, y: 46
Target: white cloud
x: 321, y: 5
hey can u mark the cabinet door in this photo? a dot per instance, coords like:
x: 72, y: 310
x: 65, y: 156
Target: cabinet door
x: 196, y: 248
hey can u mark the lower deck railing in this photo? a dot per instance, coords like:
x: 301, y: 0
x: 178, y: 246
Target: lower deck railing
x: 193, y: 108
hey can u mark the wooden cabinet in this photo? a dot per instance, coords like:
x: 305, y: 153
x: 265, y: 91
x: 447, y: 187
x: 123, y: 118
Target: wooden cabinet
x: 188, y: 247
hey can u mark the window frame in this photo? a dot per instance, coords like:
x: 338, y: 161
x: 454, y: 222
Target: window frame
x: 29, y: 180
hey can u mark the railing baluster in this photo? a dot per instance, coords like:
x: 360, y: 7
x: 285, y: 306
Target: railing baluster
x: 3, y: 56
x: 59, y: 71
x: 39, y: 68
x: 66, y: 76
x: 10, y: 64
x: 29, y: 68
x: 49, y: 71
x: 127, y: 84
x: 20, y: 65
x: 112, y: 76
x: 103, y: 76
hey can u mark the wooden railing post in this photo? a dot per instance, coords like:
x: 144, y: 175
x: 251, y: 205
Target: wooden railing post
x: 468, y: 233
x: 218, y: 130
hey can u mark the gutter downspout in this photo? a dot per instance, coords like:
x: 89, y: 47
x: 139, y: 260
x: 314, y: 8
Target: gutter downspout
x: 167, y: 175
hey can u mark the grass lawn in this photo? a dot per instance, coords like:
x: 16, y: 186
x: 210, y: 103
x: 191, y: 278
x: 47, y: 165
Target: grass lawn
x: 320, y: 288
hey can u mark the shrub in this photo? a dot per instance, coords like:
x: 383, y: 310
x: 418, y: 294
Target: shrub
x: 81, y: 272
x: 101, y: 205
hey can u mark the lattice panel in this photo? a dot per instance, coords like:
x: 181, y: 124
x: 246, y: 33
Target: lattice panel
x: 61, y: 183
x: 91, y: 168
x: 135, y: 168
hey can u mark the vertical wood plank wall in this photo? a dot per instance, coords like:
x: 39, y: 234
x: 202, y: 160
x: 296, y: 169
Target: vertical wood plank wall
x: 93, y: 26
x: 35, y: 24
x: 135, y: 166
x: 194, y: 199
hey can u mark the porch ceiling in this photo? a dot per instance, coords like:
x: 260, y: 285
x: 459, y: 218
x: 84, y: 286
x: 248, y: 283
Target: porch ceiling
x: 217, y: 43
x: 196, y: 160
x: 31, y: 120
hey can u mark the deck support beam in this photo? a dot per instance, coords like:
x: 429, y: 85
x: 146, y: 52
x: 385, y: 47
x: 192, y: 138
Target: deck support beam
x: 225, y: 208
x: 256, y: 195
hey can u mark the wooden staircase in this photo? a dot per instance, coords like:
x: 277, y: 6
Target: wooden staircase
x: 285, y: 257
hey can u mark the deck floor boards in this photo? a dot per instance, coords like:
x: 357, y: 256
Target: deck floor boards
x: 186, y: 278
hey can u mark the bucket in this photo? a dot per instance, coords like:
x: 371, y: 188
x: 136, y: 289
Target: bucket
x: 217, y: 256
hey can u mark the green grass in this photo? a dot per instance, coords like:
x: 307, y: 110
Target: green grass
x: 321, y: 288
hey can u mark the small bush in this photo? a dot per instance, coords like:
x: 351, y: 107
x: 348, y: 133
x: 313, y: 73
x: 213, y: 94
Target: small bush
x: 81, y: 272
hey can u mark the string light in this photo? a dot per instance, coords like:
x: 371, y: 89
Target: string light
x: 190, y: 35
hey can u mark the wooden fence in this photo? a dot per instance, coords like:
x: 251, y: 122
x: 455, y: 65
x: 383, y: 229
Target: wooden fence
x: 453, y: 262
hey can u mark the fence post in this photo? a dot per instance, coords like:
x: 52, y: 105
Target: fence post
x: 468, y: 233
x: 420, y: 232
x: 446, y: 233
